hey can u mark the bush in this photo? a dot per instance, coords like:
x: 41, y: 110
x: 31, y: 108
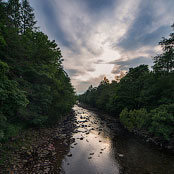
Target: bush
x: 1, y: 134
x: 3, y: 121
x: 39, y: 121
x: 159, y: 122
x: 12, y: 130
x: 162, y: 124
x: 134, y: 119
x: 9, y: 130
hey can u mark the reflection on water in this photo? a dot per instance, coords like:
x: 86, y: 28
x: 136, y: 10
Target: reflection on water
x: 142, y: 158
x: 96, y: 150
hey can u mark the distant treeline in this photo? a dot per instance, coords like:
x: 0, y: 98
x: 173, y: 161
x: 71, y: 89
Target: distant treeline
x: 34, y: 88
x: 142, y: 99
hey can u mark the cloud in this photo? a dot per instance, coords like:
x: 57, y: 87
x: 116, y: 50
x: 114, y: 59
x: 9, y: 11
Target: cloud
x: 117, y: 69
x: 99, y: 5
x: 53, y: 28
x: 99, y: 37
x: 149, y: 25
x: 135, y: 41
x: 100, y: 61
x: 90, y: 69
x: 82, y: 86
x: 73, y: 72
x: 124, y: 65
x: 132, y: 62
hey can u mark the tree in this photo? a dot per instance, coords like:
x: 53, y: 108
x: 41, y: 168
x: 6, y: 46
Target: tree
x: 27, y: 15
x: 130, y: 87
x: 141, y: 99
x: 164, y: 63
x: 12, y: 100
x: 34, y: 88
x: 14, y: 12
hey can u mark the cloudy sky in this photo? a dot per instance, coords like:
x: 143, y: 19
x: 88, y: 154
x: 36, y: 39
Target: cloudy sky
x: 104, y: 37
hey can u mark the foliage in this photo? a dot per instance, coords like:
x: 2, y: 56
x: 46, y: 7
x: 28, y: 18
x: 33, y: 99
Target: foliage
x: 134, y: 119
x: 162, y: 124
x: 158, y: 122
x: 12, y: 99
x: 34, y: 88
x: 142, y: 97
x: 164, y: 63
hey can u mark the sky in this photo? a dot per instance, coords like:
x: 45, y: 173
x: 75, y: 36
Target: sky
x: 101, y: 38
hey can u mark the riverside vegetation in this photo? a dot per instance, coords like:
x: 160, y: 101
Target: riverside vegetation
x: 35, y: 91
x: 143, y: 100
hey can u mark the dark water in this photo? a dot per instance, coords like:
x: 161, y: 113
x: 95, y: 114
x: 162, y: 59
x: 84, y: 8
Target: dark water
x: 99, y: 149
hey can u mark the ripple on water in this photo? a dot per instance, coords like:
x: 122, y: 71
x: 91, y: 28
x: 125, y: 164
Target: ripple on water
x: 96, y: 151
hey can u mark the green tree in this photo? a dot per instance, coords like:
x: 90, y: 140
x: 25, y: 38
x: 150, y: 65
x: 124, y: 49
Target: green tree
x: 164, y: 63
x: 12, y: 100
x: 143, y: 99
x: 162, y: 122
x: 27, y: 16
x: 129, y: 89
x: 14, y: 12
x: 34, y: 88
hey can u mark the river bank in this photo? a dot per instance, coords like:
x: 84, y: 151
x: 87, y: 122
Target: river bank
x: 101, y: 145
x: 38, y: 151
x: 87, y: 142
x: 143, y: 135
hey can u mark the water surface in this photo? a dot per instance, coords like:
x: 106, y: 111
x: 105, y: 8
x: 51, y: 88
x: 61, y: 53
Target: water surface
x: 100, y: 149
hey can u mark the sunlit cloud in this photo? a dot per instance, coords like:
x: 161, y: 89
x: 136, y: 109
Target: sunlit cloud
x: 101, y: 38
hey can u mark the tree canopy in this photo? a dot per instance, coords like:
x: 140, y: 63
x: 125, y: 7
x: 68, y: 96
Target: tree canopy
x: 34, y: 88
x: 142, y: 99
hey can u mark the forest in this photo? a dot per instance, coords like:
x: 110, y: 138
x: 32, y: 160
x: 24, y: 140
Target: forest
x: 143, y: 99
x: 46, y: 127
x: 35, y: 90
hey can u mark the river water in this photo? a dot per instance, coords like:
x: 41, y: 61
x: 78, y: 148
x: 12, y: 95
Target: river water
x: 101, y: 147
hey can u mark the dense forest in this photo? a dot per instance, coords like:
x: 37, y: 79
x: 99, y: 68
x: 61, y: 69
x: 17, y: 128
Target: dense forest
x: 143, y: 99
x: 34, y: 88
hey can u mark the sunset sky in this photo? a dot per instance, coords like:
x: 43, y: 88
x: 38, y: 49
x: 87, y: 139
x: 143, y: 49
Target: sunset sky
x: 104, y: 37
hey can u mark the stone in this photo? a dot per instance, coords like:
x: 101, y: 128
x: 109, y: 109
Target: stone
x: 69, y: 155
x: 121, y: 155
x: 91, y: 154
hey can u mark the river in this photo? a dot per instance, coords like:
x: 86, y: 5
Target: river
x: 101, y: 147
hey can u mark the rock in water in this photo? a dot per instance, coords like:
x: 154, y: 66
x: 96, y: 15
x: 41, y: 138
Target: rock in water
x: 121, y: 155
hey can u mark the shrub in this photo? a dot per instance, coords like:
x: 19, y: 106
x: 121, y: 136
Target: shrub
x: 159, y: 122
x: 39, y: 121
x: 3, y: 120
x: 134, y: 119
x: 162, y: 124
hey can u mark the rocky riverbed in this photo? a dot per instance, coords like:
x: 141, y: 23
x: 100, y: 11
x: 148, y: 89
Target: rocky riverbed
x: 86, y: 142
x: 101, y: 145
x: 41, y: 151
x: 144, y: 135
